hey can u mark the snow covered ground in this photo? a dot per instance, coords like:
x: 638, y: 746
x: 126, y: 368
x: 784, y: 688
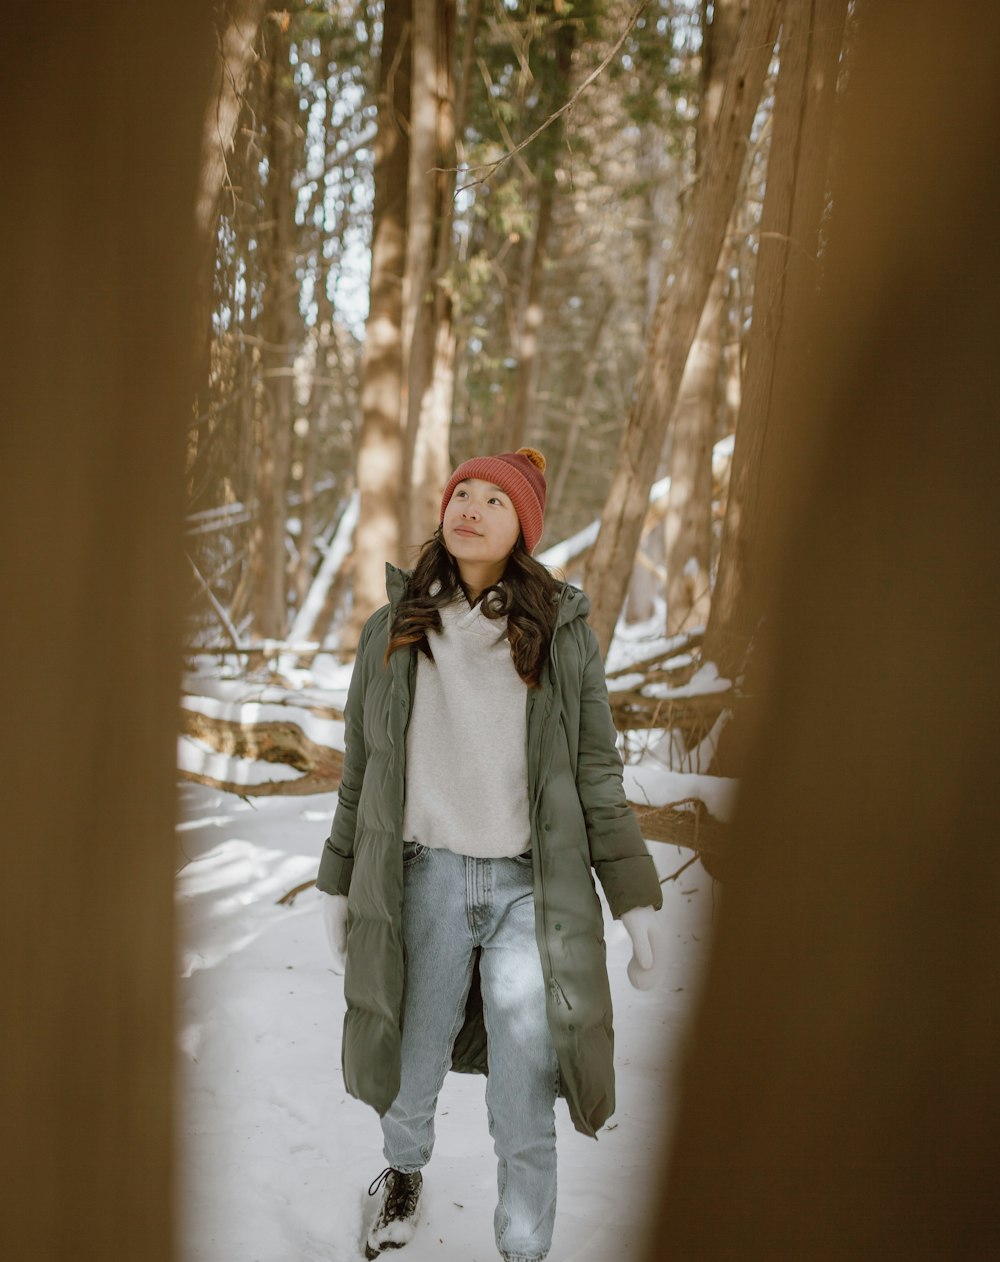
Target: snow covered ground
x: 277, y: 1157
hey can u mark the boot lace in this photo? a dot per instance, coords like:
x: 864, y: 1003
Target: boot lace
x: 401, y: 1192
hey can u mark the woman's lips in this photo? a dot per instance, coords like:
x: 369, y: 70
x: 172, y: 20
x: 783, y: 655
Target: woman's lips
x: 465, y: 530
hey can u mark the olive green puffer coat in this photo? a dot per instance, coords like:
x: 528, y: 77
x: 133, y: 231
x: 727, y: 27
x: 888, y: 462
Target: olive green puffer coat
x: 579, y: 820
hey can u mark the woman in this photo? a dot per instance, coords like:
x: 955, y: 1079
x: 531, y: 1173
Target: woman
x: 481, y: 784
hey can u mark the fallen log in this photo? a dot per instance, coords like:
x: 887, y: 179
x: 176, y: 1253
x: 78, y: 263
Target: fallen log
x: 276, y: 741
x: 693, y: 716
x: 653, y: 663
x: 301, y: 786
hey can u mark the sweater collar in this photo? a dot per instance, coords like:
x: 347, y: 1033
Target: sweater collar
x: 459, y: 616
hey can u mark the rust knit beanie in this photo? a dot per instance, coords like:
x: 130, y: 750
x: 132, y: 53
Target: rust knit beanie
x: 521, y: 474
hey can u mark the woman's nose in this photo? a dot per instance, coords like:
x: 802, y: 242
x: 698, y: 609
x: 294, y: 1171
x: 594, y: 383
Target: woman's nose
x: 470, y: 510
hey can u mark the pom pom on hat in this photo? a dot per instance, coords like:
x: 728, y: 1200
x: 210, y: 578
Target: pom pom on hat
x: 521, y: 474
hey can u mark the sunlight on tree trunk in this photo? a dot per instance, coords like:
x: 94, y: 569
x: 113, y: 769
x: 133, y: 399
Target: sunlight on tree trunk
x: 279, y: 316
x: 380, y: 454
x: 237, y: 54
x: 429, y: 337
x: 687, y: 527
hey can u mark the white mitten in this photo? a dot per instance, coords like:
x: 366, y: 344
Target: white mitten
x: 335, y: 920
x: 639, y: 922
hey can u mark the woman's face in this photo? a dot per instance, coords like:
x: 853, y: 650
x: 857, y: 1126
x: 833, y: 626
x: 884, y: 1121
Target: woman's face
x: 480, y: 525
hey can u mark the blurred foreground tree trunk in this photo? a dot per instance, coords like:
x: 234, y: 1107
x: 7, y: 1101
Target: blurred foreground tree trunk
x: 786, y: 280
x: 101, y: 163
x: 679, y: 308
x: 380, y: 454
x: 842, y: 1083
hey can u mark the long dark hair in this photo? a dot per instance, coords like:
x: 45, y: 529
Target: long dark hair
x: 525, y: 595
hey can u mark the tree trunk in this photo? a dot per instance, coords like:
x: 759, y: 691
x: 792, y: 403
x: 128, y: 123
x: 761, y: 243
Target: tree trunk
x: 100, y: 257
x: 380, y: 454
x: 842, y: 1076
x: 309, y: 449
x: 428, y: 338
x: 532, y: 312
x: 431, y: 464
x: 239, y: 26
x: 317, y: 409
x: 531, y: 315
x: 688, y: 526
x: 279, y: 321
x: 786, y: 278
x: 578, y: 420
x: 679, y: 309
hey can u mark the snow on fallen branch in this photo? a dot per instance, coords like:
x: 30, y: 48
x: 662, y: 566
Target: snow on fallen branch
x: 259, y: 750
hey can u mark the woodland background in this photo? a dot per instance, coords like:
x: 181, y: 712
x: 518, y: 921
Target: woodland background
x: 574, y: 212
x: 841, y: 1088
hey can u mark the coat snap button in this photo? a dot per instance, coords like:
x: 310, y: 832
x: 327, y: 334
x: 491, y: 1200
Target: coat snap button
x: 571, y: 1027
x: 558, y: 926
x: 548, y: 827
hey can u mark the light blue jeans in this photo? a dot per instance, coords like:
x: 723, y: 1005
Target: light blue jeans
x: 452, y: 905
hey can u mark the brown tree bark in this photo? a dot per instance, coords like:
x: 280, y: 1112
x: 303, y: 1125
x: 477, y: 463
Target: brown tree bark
x: 239, y: 25
x: 842, y: 1079
x: 429, y: 347
x: 99, y: 260
x: 786, y: 277
x: 688, y: 524
x: 279, y: 325
x: 380, y: 454
x: 532, y: 311
x: 431, y: 457
x: 319, y: 390
x: 679, y: 308
x: 578, y: 420
x: 531, y: 314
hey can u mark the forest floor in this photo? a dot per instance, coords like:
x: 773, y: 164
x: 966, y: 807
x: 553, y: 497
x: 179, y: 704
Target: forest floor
x: 276, y: 1158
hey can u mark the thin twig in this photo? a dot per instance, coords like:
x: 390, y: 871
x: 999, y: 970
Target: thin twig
x: 683, y: 868
x: 492, y: 167
x: 220, y: 613
x: 286, y: 900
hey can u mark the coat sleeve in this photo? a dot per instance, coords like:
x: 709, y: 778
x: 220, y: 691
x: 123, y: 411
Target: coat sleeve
x: 617, y: 849
x: 337, y: 860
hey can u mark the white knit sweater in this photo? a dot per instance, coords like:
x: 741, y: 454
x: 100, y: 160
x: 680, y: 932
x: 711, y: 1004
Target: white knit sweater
x: 466, y: 756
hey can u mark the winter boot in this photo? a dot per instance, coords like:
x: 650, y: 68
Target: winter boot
x: 396, y: 1220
